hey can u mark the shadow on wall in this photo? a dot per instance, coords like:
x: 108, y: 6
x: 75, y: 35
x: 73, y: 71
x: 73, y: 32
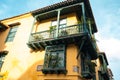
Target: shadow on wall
x: 3, y: 37
x: 31, y: 73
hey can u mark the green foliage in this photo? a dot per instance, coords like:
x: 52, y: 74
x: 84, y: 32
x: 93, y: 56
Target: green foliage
x: 52, y: 28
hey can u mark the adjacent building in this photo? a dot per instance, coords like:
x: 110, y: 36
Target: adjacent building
x: 55, y: 42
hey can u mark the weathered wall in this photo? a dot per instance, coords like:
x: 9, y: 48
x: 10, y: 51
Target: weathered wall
x: 21, y: 62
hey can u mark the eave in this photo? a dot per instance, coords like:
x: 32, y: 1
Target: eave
x: 3, y: 27
x: 3, y: 53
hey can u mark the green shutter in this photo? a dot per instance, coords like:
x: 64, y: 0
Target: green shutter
x: 54, y: 61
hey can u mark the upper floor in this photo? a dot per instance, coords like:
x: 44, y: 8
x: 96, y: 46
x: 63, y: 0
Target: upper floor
x: 66, y: 22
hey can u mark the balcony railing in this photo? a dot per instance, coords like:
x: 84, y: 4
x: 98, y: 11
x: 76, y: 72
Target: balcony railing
x: 66, y: 35
x: 62, y: 32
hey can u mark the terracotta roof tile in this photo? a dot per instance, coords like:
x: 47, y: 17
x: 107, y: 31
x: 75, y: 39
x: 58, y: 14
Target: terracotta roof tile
x: 55, y: 6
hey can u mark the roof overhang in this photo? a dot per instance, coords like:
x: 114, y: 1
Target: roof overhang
x: 3, y: 53
x: 2, y: 27
x: 64, y: 10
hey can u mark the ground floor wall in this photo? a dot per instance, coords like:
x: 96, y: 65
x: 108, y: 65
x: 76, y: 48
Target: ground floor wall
x: 25, y: 64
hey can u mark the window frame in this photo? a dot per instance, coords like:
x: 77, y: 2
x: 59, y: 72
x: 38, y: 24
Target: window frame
x: 55, y: 51
x: 10, y: 38
x: 55, y: 21
x: 62, y: 25
x: 2, y: 57
x: 87, y: 67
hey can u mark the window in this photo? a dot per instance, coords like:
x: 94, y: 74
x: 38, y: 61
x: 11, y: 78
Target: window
x: 87, y: 67
x: 54, y: 59
x: 62, y: 23
x: 2, y: 57
x: 85, y: 60
x: 62, y: 26
x: 11, y: 34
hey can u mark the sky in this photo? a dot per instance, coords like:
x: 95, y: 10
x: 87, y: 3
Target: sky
x: 106, y: 14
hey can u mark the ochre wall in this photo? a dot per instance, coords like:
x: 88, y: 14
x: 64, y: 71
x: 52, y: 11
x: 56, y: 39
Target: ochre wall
x: 21, y: 62
x: 45, y: 24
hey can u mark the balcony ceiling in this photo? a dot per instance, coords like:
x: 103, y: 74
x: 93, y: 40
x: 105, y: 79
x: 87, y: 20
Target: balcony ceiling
x: 63, y: 12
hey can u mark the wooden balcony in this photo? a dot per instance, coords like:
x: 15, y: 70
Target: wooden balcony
x: 104, y: 72
x: 67, y: 35
x: 104, y: 63
x: 88, y: 73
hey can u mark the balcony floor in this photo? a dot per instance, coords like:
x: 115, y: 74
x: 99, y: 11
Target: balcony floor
x: 69, y: 39
x: 75, y: 38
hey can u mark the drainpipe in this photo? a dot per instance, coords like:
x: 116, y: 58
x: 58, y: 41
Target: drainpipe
x: 58, y: 22
x: 32, y: 28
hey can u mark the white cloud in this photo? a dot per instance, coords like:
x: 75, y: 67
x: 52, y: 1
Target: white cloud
x: 110, y: 46
x: 108, y: 36
x: 108, y: 23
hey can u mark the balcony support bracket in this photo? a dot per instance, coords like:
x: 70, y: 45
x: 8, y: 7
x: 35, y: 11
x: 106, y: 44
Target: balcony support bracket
x: 81, y: 46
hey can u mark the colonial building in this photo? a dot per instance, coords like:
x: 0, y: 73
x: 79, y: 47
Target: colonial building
x: 55, y: 42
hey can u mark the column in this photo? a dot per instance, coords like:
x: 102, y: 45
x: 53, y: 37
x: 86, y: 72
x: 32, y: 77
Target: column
x: 84, y: 17
x: 58, y: 22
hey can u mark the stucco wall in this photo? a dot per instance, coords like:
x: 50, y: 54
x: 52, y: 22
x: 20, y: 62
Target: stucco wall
x: 21, y: 62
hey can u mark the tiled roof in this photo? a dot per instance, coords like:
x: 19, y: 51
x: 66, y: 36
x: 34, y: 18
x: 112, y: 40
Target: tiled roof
x: 56, y: 6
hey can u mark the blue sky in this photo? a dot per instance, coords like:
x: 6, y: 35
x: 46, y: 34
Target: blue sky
x: 106, y: 13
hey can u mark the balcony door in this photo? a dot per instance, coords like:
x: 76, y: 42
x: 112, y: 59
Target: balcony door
x: 62, y: 25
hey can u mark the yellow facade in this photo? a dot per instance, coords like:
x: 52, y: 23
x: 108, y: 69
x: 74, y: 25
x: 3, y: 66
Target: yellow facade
x: 24, y: 63
x: 21, y: 62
